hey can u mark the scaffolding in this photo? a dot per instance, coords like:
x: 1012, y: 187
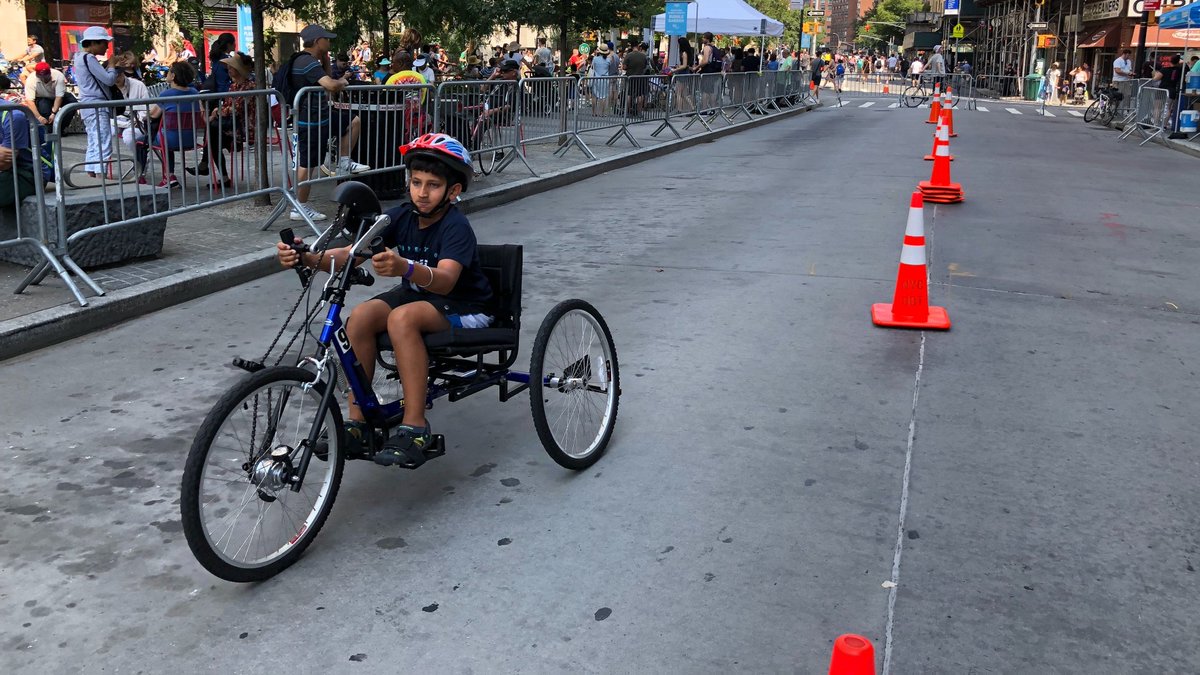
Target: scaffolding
x: 1009, y: 40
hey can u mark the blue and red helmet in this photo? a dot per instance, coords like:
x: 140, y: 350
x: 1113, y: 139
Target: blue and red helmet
x: 446, y: 149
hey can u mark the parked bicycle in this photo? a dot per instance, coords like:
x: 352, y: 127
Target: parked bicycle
x: 1104, y: 108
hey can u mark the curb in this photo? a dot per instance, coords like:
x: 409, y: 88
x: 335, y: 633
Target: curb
x: 48, y: 327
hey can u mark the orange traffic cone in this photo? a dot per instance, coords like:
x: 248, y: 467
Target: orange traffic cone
x: 935, y: 108
x: 948, y: 106
x: 885, y: 88
x: 910, y: 304
x: 936, y: 135
x: 938, y: 188
x: 852, y: 655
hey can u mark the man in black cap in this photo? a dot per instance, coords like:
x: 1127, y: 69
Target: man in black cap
x: 316, y: 122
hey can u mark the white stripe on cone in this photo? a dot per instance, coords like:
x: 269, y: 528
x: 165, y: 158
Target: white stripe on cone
x: 943, y: 134
x: 912, y: 255
x: 943, y: 150
x: 916, y: 223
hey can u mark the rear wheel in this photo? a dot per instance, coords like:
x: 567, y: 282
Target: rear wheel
x: 1093, y: 112
x: 575, y: 384
x: 241, y: 518
x: 913, y: 96
x: 1107, y: 112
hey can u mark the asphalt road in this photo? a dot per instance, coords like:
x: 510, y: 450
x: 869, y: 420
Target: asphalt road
x: 749, y: 509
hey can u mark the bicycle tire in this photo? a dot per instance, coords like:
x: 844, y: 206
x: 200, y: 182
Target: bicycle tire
x: 489, y: 137
x: 1093, y: 112
x: 913, y: 96
x: 193, y: 496
x: 1107, y: 113
x: 578, y: 366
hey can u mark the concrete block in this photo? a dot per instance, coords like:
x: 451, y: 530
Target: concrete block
x: 87, y: 208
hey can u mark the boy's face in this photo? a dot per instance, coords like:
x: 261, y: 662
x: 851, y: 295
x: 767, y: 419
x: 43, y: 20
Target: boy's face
x: 428, y: 190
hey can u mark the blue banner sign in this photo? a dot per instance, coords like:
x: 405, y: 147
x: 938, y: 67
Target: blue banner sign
x: 677, y: 16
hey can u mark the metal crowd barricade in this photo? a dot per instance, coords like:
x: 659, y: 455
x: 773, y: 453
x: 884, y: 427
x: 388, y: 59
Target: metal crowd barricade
x: 25, y: 225
x: 485, y: 116
x: 364, y: 124
x: 547, y: 108
x: 1127, y: 106
x: 1151, y: 117
x: 159, y: 144
x: 602, y: 104
x: 657, y: 93
x: 996, y: 87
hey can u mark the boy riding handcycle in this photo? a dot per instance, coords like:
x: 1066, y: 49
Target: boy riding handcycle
x: 266, y: 464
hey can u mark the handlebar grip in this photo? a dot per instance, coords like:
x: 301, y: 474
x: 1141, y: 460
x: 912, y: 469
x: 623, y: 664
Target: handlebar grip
x: 377, y: 246
x: 288, y: 237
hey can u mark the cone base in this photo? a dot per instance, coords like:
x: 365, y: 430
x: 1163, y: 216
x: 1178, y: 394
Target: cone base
x: 881, y: 315
x: 947, y: 200
x: 929, y: 158
x: 929, y: 188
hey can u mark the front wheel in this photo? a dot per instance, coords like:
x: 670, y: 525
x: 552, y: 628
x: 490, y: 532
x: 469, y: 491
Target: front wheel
x: 913, y: 96
x: 489, y: 138
x: 574, y: 384
x: 1092, y: 113
x: 241, y: 518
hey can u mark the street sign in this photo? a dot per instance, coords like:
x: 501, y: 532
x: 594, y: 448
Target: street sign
x: 677, y: 16
x: 585, y: 49
x: 1037, y: 25
x: 1151, y: 5
x: 816, y: 12
x: 958, y: 31
x: 797, y: 4
x: 951, y: 7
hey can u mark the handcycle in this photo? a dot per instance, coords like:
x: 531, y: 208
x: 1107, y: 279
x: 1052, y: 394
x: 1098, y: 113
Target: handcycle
x: 266, y: 464
x: 916, y: 95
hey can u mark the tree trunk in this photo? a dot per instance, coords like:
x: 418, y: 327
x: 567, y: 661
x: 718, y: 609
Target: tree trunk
x: 262, y: 111
x: 385, y: 14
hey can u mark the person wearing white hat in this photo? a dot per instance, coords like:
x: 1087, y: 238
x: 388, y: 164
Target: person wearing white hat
x: 936, y: 66
x: 95, y: 84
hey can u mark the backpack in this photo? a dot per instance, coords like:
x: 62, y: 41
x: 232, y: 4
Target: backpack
x: 716, y: 60
x: 282, y: 80
x: 840, y: 70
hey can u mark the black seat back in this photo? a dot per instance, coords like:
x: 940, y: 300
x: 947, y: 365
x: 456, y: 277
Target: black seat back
x: 502, y: 265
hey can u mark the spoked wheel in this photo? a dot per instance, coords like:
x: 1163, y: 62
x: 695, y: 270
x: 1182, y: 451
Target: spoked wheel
x: 242, y: 520
x: 489, y: 138
x: 1093, y: 112
x: 575, y: 384
x: 914, y: 96
x: 1107, y: 113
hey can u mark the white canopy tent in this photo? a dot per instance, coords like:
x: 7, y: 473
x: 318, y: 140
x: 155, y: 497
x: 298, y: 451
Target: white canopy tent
x: 724, y: 17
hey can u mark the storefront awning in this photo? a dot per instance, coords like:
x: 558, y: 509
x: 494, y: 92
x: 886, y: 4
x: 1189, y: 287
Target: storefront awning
x: 1107, y: 36
x: 1169, y: 38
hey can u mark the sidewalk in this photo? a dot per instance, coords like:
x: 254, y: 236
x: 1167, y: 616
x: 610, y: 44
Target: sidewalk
x: 220, y: 247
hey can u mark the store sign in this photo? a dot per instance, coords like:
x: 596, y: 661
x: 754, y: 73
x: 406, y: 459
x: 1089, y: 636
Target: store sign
x: 1136, y: 7
x: 1104, y: 9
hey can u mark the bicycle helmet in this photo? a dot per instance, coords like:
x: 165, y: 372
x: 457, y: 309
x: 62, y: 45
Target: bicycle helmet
x: 443, y: 148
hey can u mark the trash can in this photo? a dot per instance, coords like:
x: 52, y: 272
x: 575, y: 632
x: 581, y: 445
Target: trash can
x: 1033, y: 83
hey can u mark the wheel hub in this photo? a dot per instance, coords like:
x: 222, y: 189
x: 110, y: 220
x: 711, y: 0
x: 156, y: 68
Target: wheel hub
x: 273, y: 472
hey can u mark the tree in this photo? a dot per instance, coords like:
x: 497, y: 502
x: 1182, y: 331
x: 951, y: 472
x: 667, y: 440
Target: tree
x: 780, y: 11
x: 571, y: 16
x: 889, y: 11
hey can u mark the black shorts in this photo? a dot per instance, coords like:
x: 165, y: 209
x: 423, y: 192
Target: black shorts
x: 459, y: 313
x: 637, y: 86
x: 312, y: 141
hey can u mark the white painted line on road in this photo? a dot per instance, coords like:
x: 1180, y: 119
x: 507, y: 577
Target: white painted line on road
x: 1013, y: 111
x: 908, y: 453
x: 894, y: 105
x: 1047, y: 113
x: 843, y: 103
x: 981, y: 108
x: 1076, y: 113
x: 868, y: 104
x: 923, y: 105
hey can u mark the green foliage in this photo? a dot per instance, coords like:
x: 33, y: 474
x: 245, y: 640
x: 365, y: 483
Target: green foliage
x: 791, y: 18
x: 891, y: 11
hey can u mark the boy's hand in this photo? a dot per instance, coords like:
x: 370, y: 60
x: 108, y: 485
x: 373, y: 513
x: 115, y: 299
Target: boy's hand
x: 287, y: 256
x: 387, y: 264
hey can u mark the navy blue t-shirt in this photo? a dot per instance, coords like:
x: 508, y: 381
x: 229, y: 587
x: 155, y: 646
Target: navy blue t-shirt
x: 450, y: 238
